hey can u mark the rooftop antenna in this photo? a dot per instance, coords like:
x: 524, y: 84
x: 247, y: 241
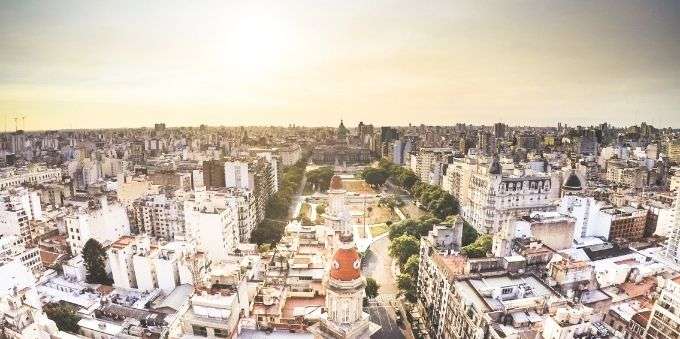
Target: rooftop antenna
x: 23, y: 122
x: 16, y: 126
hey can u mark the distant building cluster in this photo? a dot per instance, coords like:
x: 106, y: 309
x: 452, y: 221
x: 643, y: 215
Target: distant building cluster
x: 583, y: 225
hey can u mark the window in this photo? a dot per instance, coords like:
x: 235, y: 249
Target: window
x: 221, y: 333
x: 199, y: 330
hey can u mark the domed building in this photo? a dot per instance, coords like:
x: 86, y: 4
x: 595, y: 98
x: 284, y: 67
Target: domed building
x: 572, y: 185
x: 495, y: 167
x: 344, y: 284
x: 342, y: 131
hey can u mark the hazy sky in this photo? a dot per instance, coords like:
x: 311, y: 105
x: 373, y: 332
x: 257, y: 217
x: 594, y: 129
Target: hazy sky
x: 113, y: 63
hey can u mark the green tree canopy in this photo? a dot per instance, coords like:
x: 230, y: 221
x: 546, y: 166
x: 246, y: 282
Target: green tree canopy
x: 321, y: 177
x: 372, y: 288
x: 408, y: 286
x: 267, y: 232
x: 375, y: 176
x: 415, y: 227
x: 479, y: 248
x: 94, y: 258
x: 278, y: 206
x: 469, y: 234
x: 63, y: 315
x: 411, y: 266
x: 403, y: 247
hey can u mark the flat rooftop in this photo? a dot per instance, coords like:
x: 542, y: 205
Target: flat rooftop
x: 483, y: 293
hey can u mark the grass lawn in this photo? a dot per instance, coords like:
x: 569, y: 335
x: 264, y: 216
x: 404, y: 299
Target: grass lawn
x: 412, y: 211
x: 380, y: 215
x: 357, y: 186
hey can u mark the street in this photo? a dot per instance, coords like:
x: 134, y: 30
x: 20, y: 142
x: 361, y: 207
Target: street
x: 377, y: 264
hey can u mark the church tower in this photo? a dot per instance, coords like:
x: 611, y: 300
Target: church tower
x: 336, y: 215
x: 344, y: 283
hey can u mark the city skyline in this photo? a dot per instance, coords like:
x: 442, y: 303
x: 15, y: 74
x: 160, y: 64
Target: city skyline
x: 85, y: 65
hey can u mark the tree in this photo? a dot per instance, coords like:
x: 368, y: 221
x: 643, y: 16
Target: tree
x: 411, y: 266
x: 479, y: 248
x: 469, y: 234
x: 403, y: 247
x: 372, y: 288
x: 63, y: 315
x: 401, y: 228
x: 408, y: 286
x: 267, y: 232
x: 375, y: 176
x: 320, y: 177
x: 94, y: 257
x: 416, y: 228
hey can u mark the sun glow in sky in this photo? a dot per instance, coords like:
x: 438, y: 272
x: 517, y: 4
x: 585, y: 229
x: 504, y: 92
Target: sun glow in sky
x: 103, y: 64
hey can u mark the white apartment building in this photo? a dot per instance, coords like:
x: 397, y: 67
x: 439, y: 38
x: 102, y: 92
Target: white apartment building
x: 496, y: 196
x: 590, y: 220
x: 273, y: 170
x: 244, y: 209
x: 457, y: 176
x: 197, y: 179
x: 137, y: 263
x: 553, y: 229
x: 429, y: 164
x: 439, y: 263
x: 290, y: 154
x: 18, y: 207
x: 163, y: 215
x: 664, y: 215
x: 104, y: 222
x: 672, y: 247
x: 212, y: 224
x: 159, y: 215
x: 664, y: 321
x: 36, y: 175
x: 12, y: 249
x: 236, y: 175
x: 20, y: 306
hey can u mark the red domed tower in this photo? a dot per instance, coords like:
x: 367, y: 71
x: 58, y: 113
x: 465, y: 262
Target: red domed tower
x: 344, y: 283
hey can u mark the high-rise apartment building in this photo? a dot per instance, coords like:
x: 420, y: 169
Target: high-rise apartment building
x: 494, y: 196
x: 158, y: 215
x: 672, y: 247
x: 664, y: 321
x: 18, y: 207
x: 100, y: 220
x: 213, y: 173
x: 673, y: 150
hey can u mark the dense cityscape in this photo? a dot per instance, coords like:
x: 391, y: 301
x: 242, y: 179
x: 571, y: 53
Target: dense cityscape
x: 360, y: 231
x: 340, y: 169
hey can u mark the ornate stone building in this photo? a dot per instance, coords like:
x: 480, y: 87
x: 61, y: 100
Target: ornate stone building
x: 344, y: 284
x: 336, y: 214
